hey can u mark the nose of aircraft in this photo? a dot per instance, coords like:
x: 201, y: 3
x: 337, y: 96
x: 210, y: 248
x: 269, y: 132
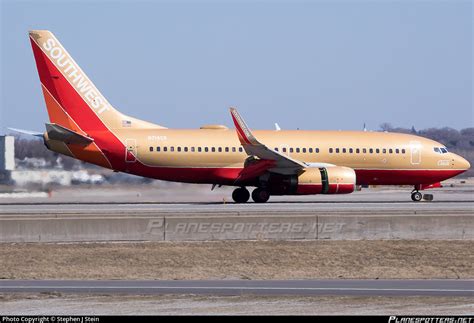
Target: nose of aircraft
x: 461, y: 163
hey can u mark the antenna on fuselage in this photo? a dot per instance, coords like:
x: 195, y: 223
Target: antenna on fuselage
x: 277, y: 127
x: 365, y: 128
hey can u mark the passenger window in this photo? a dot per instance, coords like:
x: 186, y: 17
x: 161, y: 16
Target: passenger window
x: 330, y: 150
x: 233, y: 149
x: 384, y: 151
x: 304, y: 150
x: 337, y: 150
x: 371, y: 151
x: 185, y: 149
x: 158, y: 148
x: 364, y: 150
x: 291, y: 150
x: 172, y: 148
x: 357, y: 150
x: 297, y: 150
x: 151, y: 148
x: 165, y: 148
x: 284, y: 150
x: 206, y: 149
x: 344, y: 150
x: 192, y: 149
x: 213, y: 149
x: 397, y: 151
x: 390, y: 151
x: 241, y: 149
x: 403, y: 151
x: 276, y: 149
x: 199, y: 149
x: 219, y: 149
x: 179, y: 149
x: 317, y: 150
x: 310, y: 150
x: 377, y: 151
x: 226, y: 149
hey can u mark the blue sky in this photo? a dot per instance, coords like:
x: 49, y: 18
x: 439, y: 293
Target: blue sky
x: 308, y: 65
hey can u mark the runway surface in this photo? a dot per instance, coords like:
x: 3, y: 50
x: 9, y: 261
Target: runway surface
x: 256, y: 287
x: 106, y: 215
x: 302, y: 207
x: 189, y: 200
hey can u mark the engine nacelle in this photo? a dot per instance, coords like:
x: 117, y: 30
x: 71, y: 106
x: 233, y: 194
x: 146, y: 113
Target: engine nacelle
x: 327, y: 180
x: 324, y: 180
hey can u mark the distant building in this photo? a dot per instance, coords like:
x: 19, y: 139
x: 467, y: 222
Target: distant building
x: 7, y: 150
x: 7, y: 158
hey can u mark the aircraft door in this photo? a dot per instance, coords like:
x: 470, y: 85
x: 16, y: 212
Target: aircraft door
x: 415, y: 152
x: 131, y: 150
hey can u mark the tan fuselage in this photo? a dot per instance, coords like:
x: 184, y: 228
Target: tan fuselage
x: 418, y: 151
x: 377, y: 157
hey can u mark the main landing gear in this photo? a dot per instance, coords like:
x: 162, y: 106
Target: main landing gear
x: 260, y: 195
x: 242, y: 195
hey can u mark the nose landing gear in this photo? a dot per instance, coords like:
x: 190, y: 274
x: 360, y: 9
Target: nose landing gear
x: 416, y: 196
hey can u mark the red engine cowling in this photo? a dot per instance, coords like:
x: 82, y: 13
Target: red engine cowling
x: 324, y: 180
x: 327, y: 180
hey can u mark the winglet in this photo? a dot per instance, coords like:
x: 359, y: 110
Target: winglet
x: 272, y: 159
x: 245, y: 135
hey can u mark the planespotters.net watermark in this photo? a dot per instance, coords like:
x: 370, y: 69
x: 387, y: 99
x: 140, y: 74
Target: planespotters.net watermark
x: 447, y: 319
x: 156, y: 226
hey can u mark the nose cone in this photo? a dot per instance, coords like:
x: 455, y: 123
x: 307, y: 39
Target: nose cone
x: 462, y: 163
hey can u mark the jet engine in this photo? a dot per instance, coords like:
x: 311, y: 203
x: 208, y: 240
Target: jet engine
x: 323, y: 180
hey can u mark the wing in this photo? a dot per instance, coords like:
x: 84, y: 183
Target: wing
x: 276, y: 162
x: 27, y: 132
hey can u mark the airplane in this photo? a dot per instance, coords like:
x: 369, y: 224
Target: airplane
x: 85, y: 126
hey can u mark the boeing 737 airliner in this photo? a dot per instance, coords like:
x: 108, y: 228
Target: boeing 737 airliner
x: 84, y: 125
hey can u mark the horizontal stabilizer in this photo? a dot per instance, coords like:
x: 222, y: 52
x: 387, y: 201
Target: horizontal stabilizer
x: 60, y: 133
x: 27, y: 132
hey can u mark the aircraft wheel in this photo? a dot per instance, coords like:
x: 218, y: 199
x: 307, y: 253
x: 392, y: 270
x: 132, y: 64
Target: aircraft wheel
x: 260, y: 195
x: 428, y: 197
x: 240, y: 195
x: 416, y: 196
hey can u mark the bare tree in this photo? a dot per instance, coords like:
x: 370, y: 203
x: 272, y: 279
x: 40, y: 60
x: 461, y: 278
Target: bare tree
x: 386, y: 126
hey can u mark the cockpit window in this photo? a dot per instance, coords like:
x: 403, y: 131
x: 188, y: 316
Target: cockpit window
x: 440, y: 150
